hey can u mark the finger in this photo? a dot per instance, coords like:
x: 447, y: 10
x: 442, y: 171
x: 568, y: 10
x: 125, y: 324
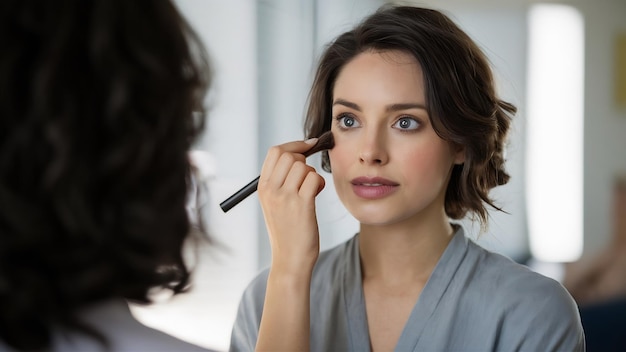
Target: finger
x: 274, y: 169
x: 275, y: 152
x: 283, y: 168
x: 298, y: 172
x: 312, y: 185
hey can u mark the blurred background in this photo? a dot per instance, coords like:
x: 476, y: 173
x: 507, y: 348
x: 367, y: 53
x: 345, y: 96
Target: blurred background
x: 563, y: 63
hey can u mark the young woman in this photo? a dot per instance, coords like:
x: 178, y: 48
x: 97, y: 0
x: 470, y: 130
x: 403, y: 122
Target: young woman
x: 419, y: 136
x: 100, y: 102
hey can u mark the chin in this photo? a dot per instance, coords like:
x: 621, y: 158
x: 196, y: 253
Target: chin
x: 376, y: 218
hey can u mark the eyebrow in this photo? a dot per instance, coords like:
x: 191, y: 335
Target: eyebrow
x: 388, y: 108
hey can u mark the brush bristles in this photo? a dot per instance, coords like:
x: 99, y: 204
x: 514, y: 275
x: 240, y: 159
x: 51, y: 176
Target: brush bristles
x: 324, y: 142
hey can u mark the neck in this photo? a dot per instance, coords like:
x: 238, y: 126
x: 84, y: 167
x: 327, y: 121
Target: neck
x: 403, y: 252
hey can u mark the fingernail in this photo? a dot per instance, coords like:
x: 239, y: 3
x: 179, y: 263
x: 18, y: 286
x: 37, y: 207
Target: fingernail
x: 311, y: 141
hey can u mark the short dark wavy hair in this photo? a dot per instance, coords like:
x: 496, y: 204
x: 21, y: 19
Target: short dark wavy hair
x: 460, y: 95
x: 100, y: 101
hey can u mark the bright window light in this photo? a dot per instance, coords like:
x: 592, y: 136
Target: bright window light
x: 555, y: 132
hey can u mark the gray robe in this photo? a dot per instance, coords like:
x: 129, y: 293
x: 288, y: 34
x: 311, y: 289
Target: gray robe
x: 474, y: 300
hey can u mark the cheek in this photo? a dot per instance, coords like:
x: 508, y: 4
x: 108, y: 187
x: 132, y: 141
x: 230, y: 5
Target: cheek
x: 428, y: 164
x: 338, y: 157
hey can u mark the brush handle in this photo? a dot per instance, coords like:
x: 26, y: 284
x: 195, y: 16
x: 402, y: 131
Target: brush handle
x: 240, y: 195
x: 324, y: 142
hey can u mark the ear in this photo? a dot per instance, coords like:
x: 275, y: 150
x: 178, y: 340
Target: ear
x: 459, y: 154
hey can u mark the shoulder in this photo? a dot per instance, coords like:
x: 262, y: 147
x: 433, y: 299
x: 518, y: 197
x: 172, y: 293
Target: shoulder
x: 535, y: 311
x: 515, y: 283
x: 126, y: 339
x: 121, y: 330
x: 148, y: 339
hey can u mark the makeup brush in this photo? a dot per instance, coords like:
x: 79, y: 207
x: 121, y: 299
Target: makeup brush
x: 324, y: 142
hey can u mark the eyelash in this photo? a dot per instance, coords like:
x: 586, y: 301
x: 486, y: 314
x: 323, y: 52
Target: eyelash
x: 418, y: 122
x: 343, y: 116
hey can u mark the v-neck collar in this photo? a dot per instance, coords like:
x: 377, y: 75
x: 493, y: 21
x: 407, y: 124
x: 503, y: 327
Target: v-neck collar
x: 438, y: 282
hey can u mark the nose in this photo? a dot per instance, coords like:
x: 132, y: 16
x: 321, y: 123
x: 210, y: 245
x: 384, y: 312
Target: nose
x: 373, y: 149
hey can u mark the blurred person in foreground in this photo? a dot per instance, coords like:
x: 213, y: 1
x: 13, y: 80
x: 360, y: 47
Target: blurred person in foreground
x: 100, y: 102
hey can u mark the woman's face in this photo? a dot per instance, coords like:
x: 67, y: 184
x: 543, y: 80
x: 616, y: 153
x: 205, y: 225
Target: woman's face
x: 388, y: 163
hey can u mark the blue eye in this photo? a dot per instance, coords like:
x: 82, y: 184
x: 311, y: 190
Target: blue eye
x: 347, y: 121
x: 407, y: 124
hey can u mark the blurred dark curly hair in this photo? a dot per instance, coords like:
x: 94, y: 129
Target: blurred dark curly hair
x: 100, y: 101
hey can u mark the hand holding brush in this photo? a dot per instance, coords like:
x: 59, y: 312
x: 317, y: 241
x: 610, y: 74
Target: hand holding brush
x: 324, y: 142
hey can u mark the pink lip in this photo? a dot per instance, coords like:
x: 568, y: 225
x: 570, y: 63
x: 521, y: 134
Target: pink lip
x: 373, y: 187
